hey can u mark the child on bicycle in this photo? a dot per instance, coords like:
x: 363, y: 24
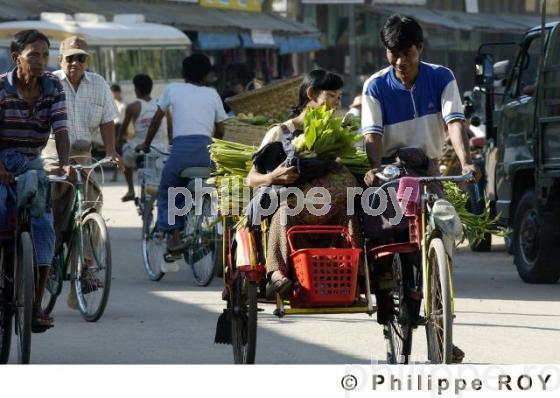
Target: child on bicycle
x: 140, y: 113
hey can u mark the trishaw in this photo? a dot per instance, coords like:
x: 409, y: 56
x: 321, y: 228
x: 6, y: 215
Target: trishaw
x: 325, y: 279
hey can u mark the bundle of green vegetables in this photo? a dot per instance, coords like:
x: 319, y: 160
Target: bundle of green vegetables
x: 326, y: 136
x: 475, y: 226
x: 357, y: 162
x: 231, y: 158
x: 260, y: 120
x: 233, y: 162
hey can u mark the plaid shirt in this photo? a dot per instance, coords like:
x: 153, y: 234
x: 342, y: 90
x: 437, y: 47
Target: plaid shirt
x: 27, y: 129
x: 88, y: 107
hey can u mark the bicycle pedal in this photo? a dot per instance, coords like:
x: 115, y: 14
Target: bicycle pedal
x: 260, y: 309
x: 422, y: 321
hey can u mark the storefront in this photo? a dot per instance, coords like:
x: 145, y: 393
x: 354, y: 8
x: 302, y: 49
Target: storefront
x: 236, y: 34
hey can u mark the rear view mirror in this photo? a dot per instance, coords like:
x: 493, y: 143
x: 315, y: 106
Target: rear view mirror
x: 484, y: 70
x: 501, y: 69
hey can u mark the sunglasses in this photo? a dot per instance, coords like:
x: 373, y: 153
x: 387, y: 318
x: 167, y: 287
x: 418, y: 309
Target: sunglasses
x: 81, y: 58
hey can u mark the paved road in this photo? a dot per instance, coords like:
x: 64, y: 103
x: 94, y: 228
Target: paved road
x: 499, y: 318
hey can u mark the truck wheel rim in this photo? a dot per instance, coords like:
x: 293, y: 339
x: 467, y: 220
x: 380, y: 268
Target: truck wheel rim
x: 528, y: 236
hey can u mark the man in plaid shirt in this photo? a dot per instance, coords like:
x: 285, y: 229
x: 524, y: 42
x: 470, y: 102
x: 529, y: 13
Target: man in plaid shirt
x: 90, y: 107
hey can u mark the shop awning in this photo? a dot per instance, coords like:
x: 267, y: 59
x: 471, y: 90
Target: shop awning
x: 258, y: 40
x: 463, y: 20
x: 217, y: 40
x: 297, y: 44
x: 185, y: 16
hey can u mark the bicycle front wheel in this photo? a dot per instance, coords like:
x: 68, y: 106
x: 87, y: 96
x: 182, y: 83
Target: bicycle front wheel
x: 5, y: 332
x: 93, y: 279
x: 439, y: 326
x: 54, y: 283
x: 6, y: 314
x: 398, y: 332
x: 153, y: 242
x: 202, y: 243
x: 23, y: 296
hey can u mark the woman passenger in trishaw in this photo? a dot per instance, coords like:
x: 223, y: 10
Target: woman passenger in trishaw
x: 318, y: 88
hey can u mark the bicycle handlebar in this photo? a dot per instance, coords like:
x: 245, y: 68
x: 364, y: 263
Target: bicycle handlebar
x: 79, y: 166
x: 155, y: 149
x: 57, y: 178
x: 462, y: 178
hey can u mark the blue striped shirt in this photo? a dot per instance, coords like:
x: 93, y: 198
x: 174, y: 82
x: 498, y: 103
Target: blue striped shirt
x: 27, y: 129
x: 412, y: 117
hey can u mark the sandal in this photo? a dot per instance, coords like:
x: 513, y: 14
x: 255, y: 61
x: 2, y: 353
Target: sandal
x: 40, y: 322
x: 281, y: 284
x: 457, y: 355
x: 128, y: 197
x: 173, y: 255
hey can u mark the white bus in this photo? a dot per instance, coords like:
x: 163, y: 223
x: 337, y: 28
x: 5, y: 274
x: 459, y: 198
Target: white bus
x: 119, y: 49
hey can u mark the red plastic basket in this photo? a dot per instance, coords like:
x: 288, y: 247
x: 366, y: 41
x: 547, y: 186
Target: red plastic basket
x: 324, y: 276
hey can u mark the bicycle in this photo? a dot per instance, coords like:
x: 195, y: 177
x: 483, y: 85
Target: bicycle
x: 201, y: 236
x: 428, y: 278
x: 17, y: 286
x: 84, y: 258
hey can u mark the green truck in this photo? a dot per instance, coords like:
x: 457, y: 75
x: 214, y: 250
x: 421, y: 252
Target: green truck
x: 522, y: 158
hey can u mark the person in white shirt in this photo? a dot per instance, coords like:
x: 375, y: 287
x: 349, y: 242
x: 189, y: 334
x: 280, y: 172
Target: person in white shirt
x: 140, y: 113
x: 198, y: 114
x: 90, y: 107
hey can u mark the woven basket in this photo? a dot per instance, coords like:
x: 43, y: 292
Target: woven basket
x: 244, y: 133
x: 271, y: 100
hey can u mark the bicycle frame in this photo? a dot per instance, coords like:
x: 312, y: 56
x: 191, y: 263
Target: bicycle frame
x: 76, y: 216
x: 75, y: 231
x: 420, y: 235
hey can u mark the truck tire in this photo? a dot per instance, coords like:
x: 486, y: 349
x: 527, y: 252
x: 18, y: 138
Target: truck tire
x: 534, y: 254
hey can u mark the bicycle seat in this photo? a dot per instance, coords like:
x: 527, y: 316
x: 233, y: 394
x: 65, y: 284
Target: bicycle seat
x: 196, y: 172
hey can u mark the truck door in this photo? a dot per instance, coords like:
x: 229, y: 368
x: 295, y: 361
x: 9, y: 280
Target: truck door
x: 547, y: 142
x: 516, y: 122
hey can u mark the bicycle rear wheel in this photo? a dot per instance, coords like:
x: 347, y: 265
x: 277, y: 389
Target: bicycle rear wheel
x: 439, y: 326
x: 93, y: 281
x: 5, y: 311
x: 202, y: 243
x: 153, y: 242
x: 23, y: 296
x: 244, y: 321
x: 398, y: 332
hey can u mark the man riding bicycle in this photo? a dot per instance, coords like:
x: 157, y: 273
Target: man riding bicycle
x: 32, y: 103
x: 90, y: 108
x: 197, y: 114
x: 409, y: 104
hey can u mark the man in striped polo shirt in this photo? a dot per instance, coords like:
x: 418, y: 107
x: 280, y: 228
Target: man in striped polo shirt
x: 32, y: 102
x: 410, y: 104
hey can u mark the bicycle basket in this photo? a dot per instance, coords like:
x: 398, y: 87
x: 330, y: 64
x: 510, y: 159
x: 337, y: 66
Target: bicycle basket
x: 324, y: 276
x: 151, y: 173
